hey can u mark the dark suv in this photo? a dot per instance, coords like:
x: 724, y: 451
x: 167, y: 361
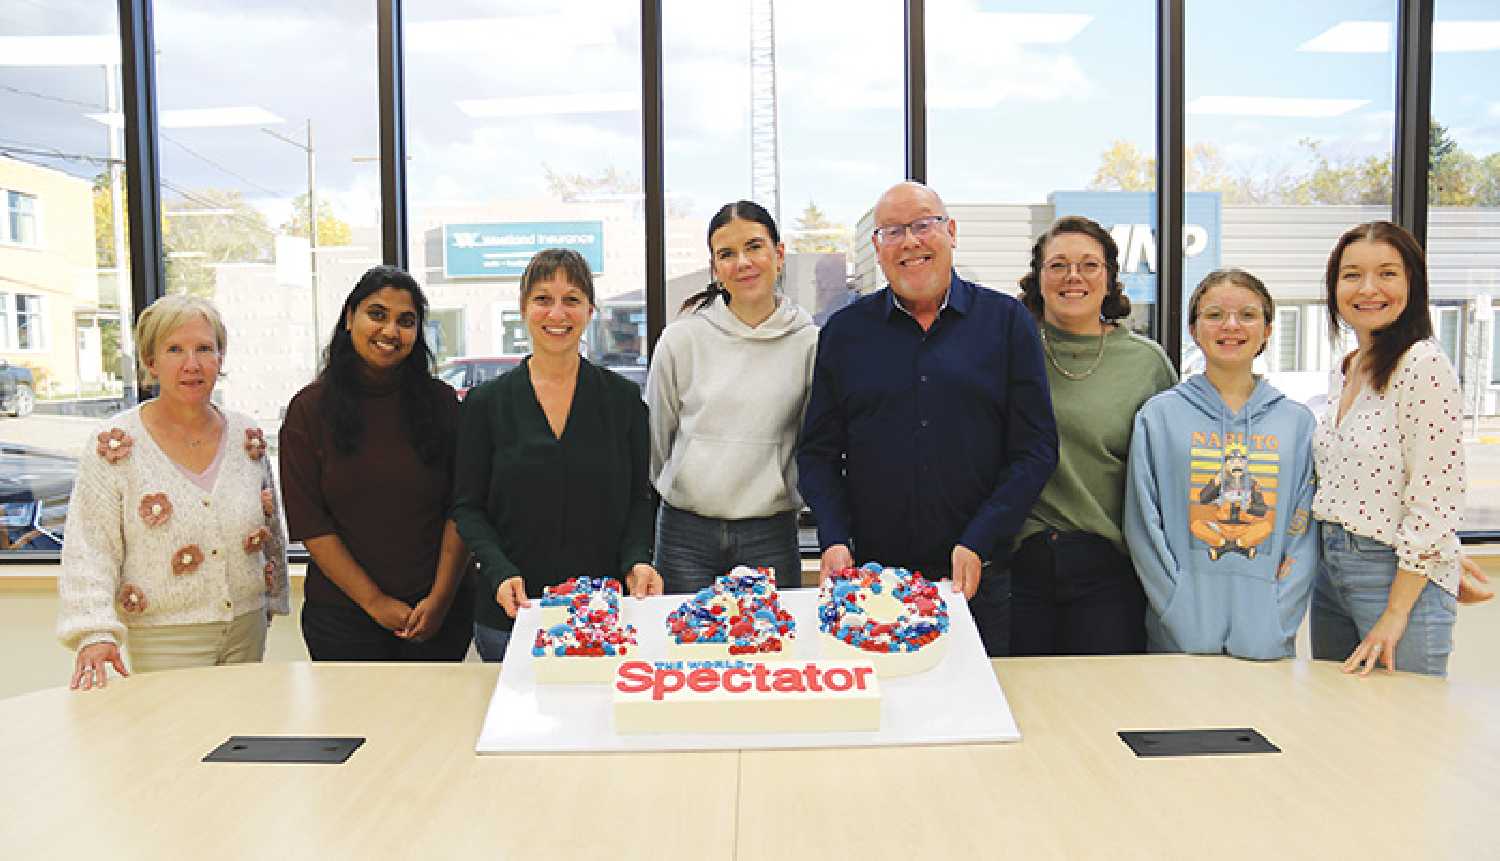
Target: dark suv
x: 17, y: 389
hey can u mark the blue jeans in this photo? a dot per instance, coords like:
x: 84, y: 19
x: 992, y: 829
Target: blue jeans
x: 692, y: 550
x: 1354, y: 582
x: 490, y: 643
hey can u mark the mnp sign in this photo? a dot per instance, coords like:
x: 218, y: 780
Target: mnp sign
x: 503, y: 250
x: 1130, y: 217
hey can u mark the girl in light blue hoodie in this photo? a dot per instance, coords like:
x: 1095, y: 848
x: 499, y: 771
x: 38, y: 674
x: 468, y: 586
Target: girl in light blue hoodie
x: 1218, y: 502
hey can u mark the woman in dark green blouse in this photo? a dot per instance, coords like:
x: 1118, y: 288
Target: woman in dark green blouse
x: 553, y: 457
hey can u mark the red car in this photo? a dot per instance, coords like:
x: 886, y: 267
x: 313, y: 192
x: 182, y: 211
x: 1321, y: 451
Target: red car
x: 466, y: 373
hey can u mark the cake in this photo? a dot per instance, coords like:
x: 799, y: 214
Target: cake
x: 584, y: 640
x: 739, y: 616
x: 579, y: 593
x: 890, y: 616
x: 746, y: 697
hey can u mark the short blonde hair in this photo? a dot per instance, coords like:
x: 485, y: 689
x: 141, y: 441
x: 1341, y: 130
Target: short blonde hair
x: 162, y: 317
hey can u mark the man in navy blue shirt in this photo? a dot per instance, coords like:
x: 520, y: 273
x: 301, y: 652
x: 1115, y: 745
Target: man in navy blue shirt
x: 929, y: 431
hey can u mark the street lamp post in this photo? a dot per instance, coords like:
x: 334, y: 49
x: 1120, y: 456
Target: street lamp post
x: 312, y: 227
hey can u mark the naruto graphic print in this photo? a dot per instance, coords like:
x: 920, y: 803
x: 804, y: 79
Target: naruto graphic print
x: 1232, y: 501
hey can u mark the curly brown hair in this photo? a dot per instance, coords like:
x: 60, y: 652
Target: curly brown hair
x: 1116, y: 304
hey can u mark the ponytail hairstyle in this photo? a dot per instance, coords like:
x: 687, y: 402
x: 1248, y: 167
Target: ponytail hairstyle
x: 747, y: 210
x: 1116, y: 304
x: 1415, y: 322
x: 421, y: 411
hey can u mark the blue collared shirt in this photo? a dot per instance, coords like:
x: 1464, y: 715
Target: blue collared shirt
x: 916, y: 441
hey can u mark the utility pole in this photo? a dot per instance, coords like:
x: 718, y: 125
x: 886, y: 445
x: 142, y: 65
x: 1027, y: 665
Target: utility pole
x: 312, y: 228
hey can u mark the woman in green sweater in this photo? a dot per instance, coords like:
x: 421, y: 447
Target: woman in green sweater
x: 1073, y: 589
x: 553, y: 458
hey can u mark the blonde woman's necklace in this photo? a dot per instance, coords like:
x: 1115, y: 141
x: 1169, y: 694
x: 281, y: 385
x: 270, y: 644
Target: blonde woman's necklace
x: 1052, y: 357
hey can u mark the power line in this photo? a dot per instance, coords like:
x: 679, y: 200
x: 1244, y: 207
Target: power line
x: 211, y: 163
x: 59, y: 99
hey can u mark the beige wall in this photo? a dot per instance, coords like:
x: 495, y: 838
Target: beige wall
x: 60, y: 267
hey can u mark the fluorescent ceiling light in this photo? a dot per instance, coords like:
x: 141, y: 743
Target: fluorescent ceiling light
x: 201, y: 118
x: 1034, y: 28
x: 530, y: 106
x: 1457, y: 36
x: 1271, y: 106
x: 59, y: 50
x: 1011, y: 28
x: 1374, y: 37
x: 482, y: 37
x: 1351, y: 37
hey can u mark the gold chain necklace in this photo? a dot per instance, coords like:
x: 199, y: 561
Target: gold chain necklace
x: 1047, y: 346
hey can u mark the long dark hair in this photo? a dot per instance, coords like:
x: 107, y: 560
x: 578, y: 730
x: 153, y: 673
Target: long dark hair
x: 747, y: 210
x: 1116, y: 304
x: 422, y: 415
x: 1415, y: 323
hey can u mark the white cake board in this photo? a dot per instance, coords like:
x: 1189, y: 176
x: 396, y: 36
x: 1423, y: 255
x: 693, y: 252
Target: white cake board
x: 957, y: 702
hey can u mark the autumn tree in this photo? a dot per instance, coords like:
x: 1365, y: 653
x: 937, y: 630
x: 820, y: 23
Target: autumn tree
x: 332, y: 230
x: 816, y: 234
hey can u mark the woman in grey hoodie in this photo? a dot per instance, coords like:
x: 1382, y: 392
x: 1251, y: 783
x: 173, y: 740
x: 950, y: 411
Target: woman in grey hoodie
x: 727, y: 389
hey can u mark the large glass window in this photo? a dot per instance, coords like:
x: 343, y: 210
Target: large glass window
x: 1463, y: 228
x: 62, y: 255
x: 534, y: 146
x: 1036, y: 112
x: 20, y: 218
x: 797, y: 106
x: 269, y: 191
x: 1290, y: 123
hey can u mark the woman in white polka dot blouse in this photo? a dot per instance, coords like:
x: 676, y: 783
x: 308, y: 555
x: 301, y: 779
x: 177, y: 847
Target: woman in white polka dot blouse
x: 1390, y: 463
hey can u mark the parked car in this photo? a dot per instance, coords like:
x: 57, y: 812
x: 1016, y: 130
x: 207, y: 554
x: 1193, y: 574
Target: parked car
x: 35, y: 486
x: 467, y: 372
x: 17, y: 389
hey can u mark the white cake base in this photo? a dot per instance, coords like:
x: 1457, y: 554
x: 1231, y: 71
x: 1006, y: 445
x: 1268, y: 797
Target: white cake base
x: 575, y: 670
x: 720, y: 652
x: 888, y: 664
x: 825, y: 696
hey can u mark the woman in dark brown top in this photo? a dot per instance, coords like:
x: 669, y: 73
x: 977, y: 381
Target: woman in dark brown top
x: 367, y: 475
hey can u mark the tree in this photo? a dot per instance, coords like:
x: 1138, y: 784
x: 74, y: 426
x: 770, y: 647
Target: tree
x: 104, y: 221
x: 1122, y: 167
x: 211, y: 227
x: 611, y: 181
x: 816, y: 234
x: 1487, y: 188
x: 332, y: 230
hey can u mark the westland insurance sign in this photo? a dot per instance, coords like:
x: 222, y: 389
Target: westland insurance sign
x: 1130, y: 217
x: 503, y: 250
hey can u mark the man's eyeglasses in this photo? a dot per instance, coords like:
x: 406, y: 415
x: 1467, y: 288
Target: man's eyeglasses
x: 1089, y: 268
x: 1249, y: 315
x: 893, y: 233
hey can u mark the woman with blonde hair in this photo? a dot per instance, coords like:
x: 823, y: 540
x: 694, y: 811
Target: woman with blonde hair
x: 174, y: 548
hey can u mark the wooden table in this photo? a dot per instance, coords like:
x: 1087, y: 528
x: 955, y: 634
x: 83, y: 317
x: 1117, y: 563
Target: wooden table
x: 1398, y: 766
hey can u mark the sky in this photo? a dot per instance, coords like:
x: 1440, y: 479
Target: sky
x: 496, y: 91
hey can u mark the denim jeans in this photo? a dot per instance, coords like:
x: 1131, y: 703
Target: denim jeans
x: 1075, y: 593
x: 1353, y: 585
x: 692, y: 550
x: 490, y: 643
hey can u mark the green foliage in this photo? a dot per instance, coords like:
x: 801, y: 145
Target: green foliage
x: 229, y: 231
x: 1457, y: 177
